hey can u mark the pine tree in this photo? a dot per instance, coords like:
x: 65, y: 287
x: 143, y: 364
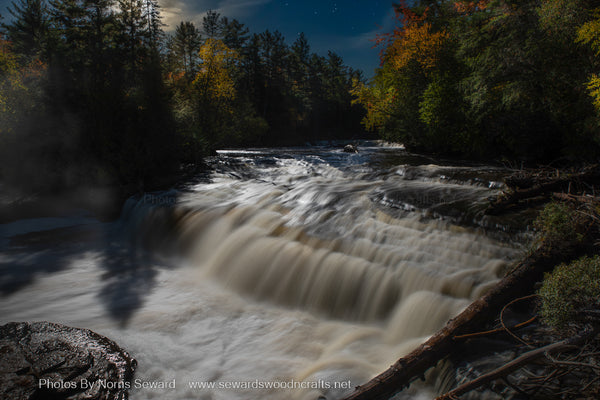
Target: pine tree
x: 235, y: 34
x: 212, y: 25
x: 184, y: 47
x: 133, y: 32
x: 154, y: 23
x: 29, y: 29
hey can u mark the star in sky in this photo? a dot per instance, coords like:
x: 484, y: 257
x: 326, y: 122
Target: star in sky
x: 346, y: 28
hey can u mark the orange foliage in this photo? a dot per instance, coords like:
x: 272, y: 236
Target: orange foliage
x: 175, y: 77
x: 4, y: 45
x: 403, y: 16
x: 413, y: 38
x: 10, y: 66
x: 35, y: 69
x: 469, y: 7
x: 419, y: 43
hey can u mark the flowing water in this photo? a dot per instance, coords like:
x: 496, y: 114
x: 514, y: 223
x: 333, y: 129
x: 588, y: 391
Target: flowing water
x: 309, y: 269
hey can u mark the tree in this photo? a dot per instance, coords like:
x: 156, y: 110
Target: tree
x: 212, y: 25
x: 133, y: 32
x: 299, y: 60
x: 589, y: 33
x: 235, y: 34
x: 184, y: 48
x: 214, y: 78
x: 29, y: 30
x: 273, y: 58
x: 214, y: 87
x: 484, y: 78
x: 68, y: 18
x: 154, y: 24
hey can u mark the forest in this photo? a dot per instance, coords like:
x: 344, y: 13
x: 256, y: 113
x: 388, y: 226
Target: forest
x: 96, y: 92
x: 513, y: 79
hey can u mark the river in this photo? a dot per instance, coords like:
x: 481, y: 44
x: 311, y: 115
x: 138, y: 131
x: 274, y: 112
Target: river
x: 309, y: 270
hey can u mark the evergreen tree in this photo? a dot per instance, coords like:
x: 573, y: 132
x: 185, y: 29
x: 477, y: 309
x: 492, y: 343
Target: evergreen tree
x: 235, y: 34
x: 133, y: 32
x: 154, y: 24
x: 184, y: 48
x: 212, y: 25
x: 30, y: 27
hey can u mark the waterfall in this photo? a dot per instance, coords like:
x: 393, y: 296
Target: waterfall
x: 295, y: 265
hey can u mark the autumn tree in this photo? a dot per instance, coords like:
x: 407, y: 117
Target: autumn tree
x: 482, y: 78
x: 214, y: 87
x: 589, y: 34
x: 122, y: 106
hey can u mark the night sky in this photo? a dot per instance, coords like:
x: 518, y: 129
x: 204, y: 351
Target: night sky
x: 346, y: 27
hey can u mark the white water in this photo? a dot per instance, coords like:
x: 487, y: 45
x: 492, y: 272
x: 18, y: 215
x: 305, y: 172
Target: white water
x: 280, y: 269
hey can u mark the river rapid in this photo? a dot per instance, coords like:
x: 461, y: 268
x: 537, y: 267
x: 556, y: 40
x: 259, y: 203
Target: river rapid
x: 279, y: 274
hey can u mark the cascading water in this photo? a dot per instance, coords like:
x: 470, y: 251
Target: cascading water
x: 306, y: 267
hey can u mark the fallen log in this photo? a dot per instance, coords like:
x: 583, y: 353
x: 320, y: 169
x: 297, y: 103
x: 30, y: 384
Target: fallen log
x: 516, y: 364
x: 576, y: 198
x: 590, y: 175
x: 519, y: 281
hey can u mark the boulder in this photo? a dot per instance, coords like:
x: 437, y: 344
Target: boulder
x: 44, y: 360
x: 350, y: 148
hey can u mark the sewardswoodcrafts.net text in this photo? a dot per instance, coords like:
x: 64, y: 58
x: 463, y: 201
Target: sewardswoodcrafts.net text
x: 84, y: 384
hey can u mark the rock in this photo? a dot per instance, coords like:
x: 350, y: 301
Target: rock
x: 44, y: 360
x: 350, y: 148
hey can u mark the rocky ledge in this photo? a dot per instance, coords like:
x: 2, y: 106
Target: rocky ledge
x: 44, y: 360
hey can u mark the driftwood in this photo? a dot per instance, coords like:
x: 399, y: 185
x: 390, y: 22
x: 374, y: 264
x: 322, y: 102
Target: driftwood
x: 497, y: 330
x: 514, y: 365
x: 576, y: 198
x: 541, y: 191
x: 518, y: 282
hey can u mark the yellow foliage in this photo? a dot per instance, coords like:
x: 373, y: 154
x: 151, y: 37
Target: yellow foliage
x: 377, y: 100
x: 589, y: 32
x: 215, y: 76
x: 9, y: 75
x: 18, y: 85
x: 594, y: 88
x: 417, y: 42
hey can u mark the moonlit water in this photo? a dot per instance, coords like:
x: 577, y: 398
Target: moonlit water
x: 298, y: 266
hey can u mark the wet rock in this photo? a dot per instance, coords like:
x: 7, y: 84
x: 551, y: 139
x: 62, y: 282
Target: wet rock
x: 350, y: 148
x: 44, y: 360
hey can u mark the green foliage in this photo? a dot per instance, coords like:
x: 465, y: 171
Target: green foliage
x: 183, y: 49
x: 488, y: 78
x: 92, y: 93
x: 29, y: 31
x: 570, y: 289
x: 559, y: 224
x: 261, y: 92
